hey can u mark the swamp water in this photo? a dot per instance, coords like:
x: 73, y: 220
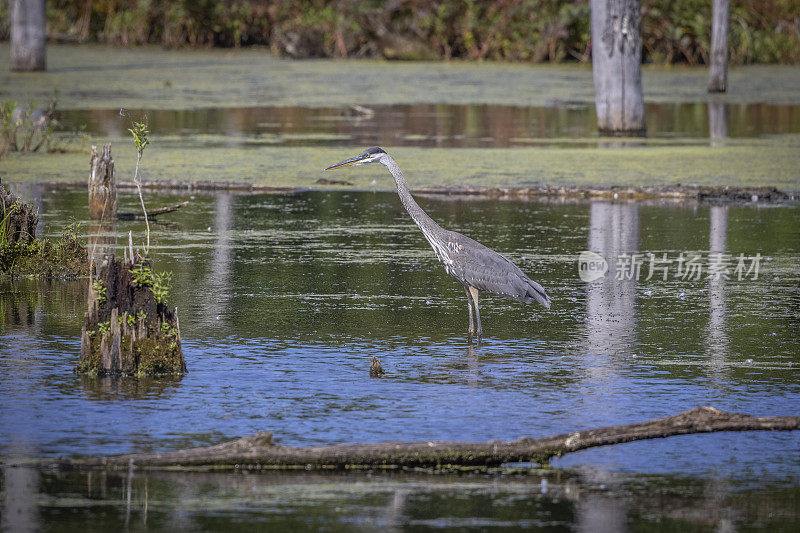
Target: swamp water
x: 225, y: 115
x: 284, y: 298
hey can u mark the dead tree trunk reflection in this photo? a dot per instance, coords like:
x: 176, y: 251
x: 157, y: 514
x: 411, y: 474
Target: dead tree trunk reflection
x: 717, y: 123
x: 19, y: 508
x: 601, y: 514
x: 716, y: 337
x: 611, y: 300
x: 218, y: 279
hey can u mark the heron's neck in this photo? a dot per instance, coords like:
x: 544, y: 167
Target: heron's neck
x: 425, y: 223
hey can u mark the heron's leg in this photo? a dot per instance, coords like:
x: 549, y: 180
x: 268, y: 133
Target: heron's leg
x: 471, y: 330
x: 474, y: 293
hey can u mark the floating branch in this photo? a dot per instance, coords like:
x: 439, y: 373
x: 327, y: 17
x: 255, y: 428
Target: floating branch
x: 261, y: 451
x: 152, y: 214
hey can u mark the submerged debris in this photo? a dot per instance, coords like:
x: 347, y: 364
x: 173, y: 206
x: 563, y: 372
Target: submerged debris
x: 376, y: 369
x: 325, y: 181
x: 128, y: 329
x: 707, y: 194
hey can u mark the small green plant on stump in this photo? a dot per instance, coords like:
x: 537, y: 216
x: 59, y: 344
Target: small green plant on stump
x: 100, y: 291
x: 162, y: 283
x: 141, y: 140
x: 103, y: 327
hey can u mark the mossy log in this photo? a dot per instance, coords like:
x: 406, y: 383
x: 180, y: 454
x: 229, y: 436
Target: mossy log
x: 22, y: 254
x: 102, y: 185
x: 18, y: 220
x: 126, y: 330
x: 260, y: 451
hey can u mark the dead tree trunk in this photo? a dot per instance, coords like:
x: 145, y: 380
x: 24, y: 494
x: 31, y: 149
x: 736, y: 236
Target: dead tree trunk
x: 102, y: 185
x: 102, y: 206
x: 127, y: 330
x: 260, y: 451
x: 28, y: 35
x: 616, y: 66
x: 718, y: 75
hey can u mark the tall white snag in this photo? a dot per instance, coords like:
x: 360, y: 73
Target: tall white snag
x: 718, y: 74
x: 28, y: 35
x: 616, y: 66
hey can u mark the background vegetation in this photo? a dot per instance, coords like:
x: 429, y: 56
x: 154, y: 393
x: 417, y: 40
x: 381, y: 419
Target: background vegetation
x: 674, y: 31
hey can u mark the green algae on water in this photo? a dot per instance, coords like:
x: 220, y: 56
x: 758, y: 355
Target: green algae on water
x: 770, y: 162
x: 103, y: 77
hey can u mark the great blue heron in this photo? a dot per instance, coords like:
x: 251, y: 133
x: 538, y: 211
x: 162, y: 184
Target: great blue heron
x: 477, y: 267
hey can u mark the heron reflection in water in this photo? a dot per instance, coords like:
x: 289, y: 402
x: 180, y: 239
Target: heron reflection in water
x: 475, y: 266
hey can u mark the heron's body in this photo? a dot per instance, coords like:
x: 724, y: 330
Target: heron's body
x: 475, y: 266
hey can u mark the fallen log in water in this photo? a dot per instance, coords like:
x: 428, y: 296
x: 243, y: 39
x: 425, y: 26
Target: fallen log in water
x: 152, y: 214
x: 261, y: 451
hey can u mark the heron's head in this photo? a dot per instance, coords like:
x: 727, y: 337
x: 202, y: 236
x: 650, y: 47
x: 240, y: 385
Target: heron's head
x: 370, y: 155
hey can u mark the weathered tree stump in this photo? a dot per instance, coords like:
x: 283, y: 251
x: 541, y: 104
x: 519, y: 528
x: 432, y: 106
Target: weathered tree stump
x: 102, y: 185
x: 616, y: 67
x: 102, y: 241
x: 17, y: 219
x: 128, y: 329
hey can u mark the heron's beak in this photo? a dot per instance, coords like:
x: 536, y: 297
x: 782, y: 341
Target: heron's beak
x: 347, y: 162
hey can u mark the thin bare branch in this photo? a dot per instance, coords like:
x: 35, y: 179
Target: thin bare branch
x: 141, y: 199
